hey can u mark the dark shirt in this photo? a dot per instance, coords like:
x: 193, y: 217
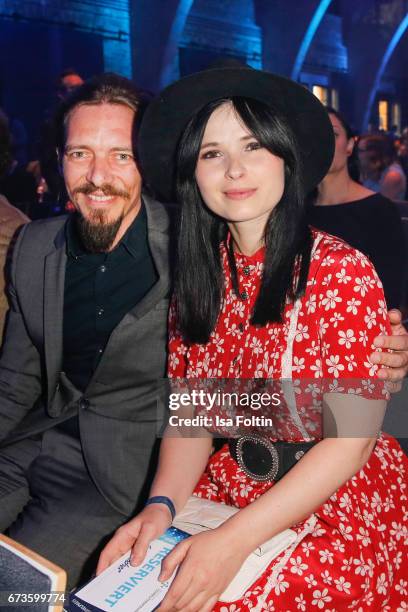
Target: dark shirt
x: 100, y: 289
x: 371, y: 225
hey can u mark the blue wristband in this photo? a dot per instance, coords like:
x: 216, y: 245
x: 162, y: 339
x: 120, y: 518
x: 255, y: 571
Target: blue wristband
x: 161, y: 499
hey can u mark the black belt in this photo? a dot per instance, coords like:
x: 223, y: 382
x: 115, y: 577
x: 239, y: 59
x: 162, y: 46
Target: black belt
x: 262, y: 459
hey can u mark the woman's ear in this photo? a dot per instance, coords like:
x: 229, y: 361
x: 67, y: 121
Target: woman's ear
x: 350, y: 146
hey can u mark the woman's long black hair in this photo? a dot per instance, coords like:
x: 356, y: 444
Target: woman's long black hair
x: 199, y: 284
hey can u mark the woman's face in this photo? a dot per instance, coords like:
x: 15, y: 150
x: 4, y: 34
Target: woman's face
x: 239, y: 180
x: 344, y: 146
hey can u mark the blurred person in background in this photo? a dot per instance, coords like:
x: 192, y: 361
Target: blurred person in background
x: 16, y: 183
x: 51, y: 186
x: 366, y: 220
x: 380, y: 170
x: 403, y: 155
x: 10, y: 217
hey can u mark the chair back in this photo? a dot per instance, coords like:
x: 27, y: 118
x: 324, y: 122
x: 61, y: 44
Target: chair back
x: 29, y: 581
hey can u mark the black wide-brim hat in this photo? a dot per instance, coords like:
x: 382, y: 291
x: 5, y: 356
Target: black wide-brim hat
x: 168, y: 115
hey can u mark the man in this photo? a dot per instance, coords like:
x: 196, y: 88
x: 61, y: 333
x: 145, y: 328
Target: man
x: 85, y: 343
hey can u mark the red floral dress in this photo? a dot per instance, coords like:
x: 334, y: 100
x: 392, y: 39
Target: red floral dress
x: 349, y: 554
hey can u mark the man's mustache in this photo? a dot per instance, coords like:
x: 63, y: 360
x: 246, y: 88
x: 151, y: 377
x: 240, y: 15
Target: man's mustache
x: 106, y: 189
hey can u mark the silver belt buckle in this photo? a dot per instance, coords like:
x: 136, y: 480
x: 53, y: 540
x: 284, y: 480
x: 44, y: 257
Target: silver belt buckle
x: 272, y: 473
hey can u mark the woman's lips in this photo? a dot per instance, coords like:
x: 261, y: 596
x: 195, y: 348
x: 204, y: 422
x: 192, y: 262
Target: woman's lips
x: 239, y: 194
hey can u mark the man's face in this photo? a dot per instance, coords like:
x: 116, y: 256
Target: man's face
x: 100, y: 171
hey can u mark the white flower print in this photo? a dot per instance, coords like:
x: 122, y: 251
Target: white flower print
x: 327, y: 577
x: 298, y: 567
x: 323, y: 326
x: 334, y: 366
x: 343, y: 277
x: 320, y: 598
x: 399, y: 531
x: 401, y: 587
x: 173, y: 360
x: 345, y: 502
x: 298, y: 364
x: 332, y: 298
x: 346, y: 566
x: 372, y: 368
x: 256, y: 346
x: 368, y: 519
x: 311, y: 304
x: 346, y: 531
x: 302, y: 332
x: 398, y: 560
x: 238, y: 308
x: 351, y: 362
x: 336, y: 319
x: 363, y: 285
x: 311, y: 581
x: 307, y: 548
x: 370, y: 318
x: 347, y: 338
x: 403, y: 607
x: 338, y: 546
x: 342, y: 585
x: 352, y: 305
x: 382, y: 584
x: 326, y: 555
x: 363, y: 337
x: 313, y: 349
x: 317, y: 368
x: 363, y: 536
x: 280, y: 585
x: 301, y: 603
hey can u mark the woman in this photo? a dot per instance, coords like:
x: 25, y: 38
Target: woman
x: 380, y: 169
x: 259, y: 295
x: 368, y: 221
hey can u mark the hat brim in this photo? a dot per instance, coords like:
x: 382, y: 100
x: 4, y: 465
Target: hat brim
x: 167, y: 117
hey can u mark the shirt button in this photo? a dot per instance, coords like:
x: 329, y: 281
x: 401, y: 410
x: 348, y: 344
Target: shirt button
x: 83, y: 403
x: 101, y: 311
x: 244, y: 295
x: 241, y: 327
x: 100, y: 351
x: 102, y: 269
x: 247, y: 270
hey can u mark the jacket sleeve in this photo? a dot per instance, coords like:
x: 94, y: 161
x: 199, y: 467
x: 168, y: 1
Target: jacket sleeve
x: 20, y: 363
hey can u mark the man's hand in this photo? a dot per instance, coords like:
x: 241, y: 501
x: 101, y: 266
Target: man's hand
x: 393, y: 366
x: 136, y: 535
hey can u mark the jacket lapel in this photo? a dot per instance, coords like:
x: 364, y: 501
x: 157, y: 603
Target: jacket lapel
x: 157, y: 231
x: 54, y: 279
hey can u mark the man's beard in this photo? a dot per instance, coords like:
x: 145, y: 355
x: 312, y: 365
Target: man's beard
x: 97, y: 236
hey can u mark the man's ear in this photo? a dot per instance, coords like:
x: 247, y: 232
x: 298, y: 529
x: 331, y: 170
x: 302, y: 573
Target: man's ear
x: 350, y: 146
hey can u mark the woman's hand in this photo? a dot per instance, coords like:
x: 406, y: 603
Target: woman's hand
x: 208, y: 562
x: 136, y: 535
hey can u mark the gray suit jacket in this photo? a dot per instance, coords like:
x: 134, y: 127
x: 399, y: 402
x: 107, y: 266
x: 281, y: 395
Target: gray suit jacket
x: 119, y: 410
